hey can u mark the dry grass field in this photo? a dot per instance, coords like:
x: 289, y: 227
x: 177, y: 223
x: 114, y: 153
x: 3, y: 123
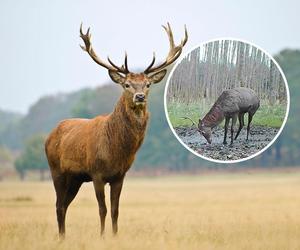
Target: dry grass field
x: 215, y: 211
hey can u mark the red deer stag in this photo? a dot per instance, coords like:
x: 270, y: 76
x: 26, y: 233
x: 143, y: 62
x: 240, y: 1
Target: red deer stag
x: 231, y: 104
x: 102, y: 149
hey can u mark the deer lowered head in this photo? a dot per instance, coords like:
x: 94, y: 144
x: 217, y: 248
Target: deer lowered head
x: 136, y: 85
x: 204, y: 130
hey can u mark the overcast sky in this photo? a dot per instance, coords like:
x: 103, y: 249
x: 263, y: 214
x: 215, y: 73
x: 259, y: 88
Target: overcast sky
x: 40, y: 53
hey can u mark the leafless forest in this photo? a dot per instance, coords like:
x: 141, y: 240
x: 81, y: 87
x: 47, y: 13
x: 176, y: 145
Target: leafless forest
x: 225, y: 64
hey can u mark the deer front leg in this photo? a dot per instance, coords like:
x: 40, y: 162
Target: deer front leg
x: 233, y: 121
x: 99, y: 190
x: 115, y: 191
x: 250, y: 115
x: 241, y: 122
x: 226, y: 128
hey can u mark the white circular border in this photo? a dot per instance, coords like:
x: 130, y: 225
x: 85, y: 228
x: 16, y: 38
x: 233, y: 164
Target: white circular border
x: 242, y: 159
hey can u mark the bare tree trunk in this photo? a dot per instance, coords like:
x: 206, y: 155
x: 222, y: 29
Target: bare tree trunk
x: 225, y: 64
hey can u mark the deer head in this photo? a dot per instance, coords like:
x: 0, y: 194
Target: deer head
x: 205, y: 131
x: 136, y: 85
x: 201, y: 128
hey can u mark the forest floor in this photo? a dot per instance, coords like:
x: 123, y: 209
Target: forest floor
x: 260, y: 137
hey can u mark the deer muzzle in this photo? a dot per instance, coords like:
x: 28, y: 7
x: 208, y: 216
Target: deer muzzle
x: 139, y: 98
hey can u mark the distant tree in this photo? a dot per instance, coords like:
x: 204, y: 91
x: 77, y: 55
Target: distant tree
x: 5, y: 155
x: 82, y: 107
x: 6, y: 161
x: 21, y: 166
x: 93, y: 102
x: 33, y: 157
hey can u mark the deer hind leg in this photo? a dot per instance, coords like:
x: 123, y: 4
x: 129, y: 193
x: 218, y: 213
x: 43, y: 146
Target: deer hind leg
x: 250, y: 115
x: 226, y: 128
x: 66, y: 188
x: 241, y: 122
x: 115, y: 191
x: 233, y: 121
x: 99, y: 190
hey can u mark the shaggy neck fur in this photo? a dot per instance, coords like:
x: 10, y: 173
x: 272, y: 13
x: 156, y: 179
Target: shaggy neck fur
x: 214, y: 117
x: 126, y: 128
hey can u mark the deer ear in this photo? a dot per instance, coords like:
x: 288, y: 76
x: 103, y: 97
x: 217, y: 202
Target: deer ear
x: 116, y: 77
x: 157, y: 77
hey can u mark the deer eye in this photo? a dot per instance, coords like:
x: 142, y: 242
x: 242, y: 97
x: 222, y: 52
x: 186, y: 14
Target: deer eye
x: 127, y: 85
x: 148, y: 85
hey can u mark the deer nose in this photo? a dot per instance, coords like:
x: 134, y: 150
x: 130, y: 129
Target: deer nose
x: 140, y: 97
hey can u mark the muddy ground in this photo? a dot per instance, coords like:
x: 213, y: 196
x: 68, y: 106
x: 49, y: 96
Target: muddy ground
x: 259, y: 138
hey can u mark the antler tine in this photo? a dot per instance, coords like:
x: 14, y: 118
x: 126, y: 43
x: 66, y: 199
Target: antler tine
x: 174, y: 51
x: 188, y: 118
x: 125, y: 62
x: 151, y: 64
x: 183, y: 42
x: 85, y: 37
x: 170, y: 35
x: 116, y: 67
x: 89, y: 49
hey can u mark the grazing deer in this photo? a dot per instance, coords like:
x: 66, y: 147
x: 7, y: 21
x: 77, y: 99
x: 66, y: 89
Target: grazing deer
x: 102, y: 149
x: 231, y: 104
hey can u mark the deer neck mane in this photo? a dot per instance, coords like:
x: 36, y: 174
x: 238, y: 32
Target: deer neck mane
x: 131, y: 114
x: 214, y: 117
x: 128, y: 122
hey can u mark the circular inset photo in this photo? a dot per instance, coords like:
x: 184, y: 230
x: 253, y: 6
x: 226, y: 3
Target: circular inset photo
x: 227, y: 100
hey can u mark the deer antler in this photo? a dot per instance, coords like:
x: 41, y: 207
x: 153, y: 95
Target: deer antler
x: 174, y: 51
x: 188, y: 118
x: 89, y: 49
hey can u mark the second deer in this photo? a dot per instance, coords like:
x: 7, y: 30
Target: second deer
x: 231, y: 105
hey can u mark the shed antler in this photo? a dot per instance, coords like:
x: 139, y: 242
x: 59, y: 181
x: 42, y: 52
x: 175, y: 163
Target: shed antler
x: 89, y: 49
x: 174, y: 51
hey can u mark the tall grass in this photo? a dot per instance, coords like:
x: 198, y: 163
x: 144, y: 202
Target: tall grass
x: 228, y: 211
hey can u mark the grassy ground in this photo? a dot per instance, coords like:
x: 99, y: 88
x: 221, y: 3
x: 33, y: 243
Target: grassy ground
x: 266, y: 115
x: 219, y: 211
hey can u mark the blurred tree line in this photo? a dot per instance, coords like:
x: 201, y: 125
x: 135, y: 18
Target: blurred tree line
x: 225, y: 64
x: 32, y: 157
x: 161, y: 150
